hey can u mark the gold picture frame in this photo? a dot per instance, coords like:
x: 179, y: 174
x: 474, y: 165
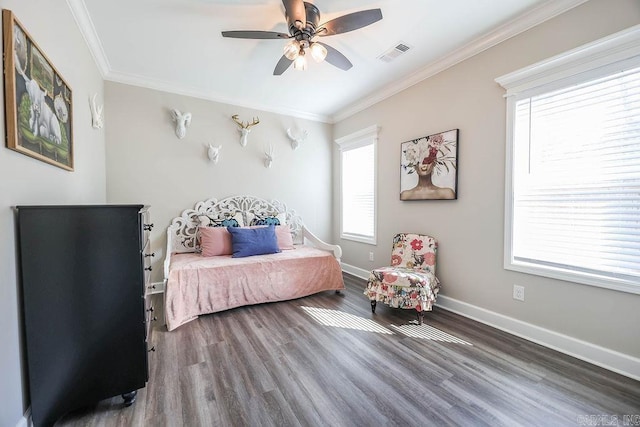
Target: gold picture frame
x: 38, y: 101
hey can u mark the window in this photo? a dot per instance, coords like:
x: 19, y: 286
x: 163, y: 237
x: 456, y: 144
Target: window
x: 573, y: 165
x: 358, y: 185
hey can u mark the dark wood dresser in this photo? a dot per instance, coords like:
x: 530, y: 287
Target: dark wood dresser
x: 84, y: 271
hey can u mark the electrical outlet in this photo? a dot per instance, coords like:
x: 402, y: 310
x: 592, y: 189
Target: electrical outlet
x: 370, y: 256
x: 518, y: 292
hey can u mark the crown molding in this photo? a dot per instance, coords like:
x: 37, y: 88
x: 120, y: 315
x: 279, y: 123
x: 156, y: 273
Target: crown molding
x: 524, y: 22
x: 88, y: 31
x: 530, y: 19
x: 163, y: 86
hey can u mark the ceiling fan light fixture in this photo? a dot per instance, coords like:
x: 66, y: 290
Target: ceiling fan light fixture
x: 318, y: 52
x: 303, y: 22
x: 300, y: 63
x: 291, y: 50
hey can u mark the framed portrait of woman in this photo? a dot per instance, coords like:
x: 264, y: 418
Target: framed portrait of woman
x: 429, y: 167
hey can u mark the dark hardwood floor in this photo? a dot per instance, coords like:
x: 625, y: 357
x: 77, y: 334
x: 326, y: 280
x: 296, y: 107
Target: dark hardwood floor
x: 326, y: 360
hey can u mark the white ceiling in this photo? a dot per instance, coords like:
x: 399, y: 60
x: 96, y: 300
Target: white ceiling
x: 176, y: 46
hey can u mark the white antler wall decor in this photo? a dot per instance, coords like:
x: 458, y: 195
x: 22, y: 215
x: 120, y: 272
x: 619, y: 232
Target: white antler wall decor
x: 96, y: 113
x: 297, y: 137
x: 245, y: 128
x: 214, y: 153
x: 182, y: 121
x: 269, y: 156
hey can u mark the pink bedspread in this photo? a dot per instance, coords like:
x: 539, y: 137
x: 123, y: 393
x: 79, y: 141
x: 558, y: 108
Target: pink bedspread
x: 201, y: 285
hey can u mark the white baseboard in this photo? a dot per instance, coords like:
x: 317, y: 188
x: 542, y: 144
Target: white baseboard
x: 612, y: 360
x: 25, y: 421
x: 358, y: 272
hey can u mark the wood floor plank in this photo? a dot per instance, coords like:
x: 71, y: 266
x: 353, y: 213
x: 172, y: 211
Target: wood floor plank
x: 276, y: 407
x: 326, y: 360
x: 163, y: 389
x: 287, y: 382
x: 199, y: 406
x: 230, y: 394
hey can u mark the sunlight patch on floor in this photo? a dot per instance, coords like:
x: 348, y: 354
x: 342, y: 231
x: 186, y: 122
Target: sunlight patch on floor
x: 428, y: 332
x: 339, y: 319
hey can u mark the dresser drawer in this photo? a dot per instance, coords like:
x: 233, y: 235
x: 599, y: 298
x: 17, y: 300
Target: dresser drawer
x: 147, y: 259
x: 147, y: 226
x: 150, y: 314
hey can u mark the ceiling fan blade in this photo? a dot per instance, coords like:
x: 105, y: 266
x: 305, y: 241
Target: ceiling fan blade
x: 335, y: 58
x: 282, y: 66
x: 255, y: 35
x: 296, y: 15
x: 350, y: 22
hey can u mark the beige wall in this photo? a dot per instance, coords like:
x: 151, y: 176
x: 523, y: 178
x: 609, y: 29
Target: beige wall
x: 470, y: 229
x: 147, y: 163
x: 24, y: 180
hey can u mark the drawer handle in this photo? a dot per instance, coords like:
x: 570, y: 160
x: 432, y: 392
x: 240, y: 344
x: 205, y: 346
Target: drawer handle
x: 150, y: 309
x: 152, y: 349
x: 148, y: 268
x: 147, y: 227
x: 154, y: 318
x: 152, y: 287
x: 151, y: 254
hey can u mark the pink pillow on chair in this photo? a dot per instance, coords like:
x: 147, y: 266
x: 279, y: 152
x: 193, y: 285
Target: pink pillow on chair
x: 215, y: 241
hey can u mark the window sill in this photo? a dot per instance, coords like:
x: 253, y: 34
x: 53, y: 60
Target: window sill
x: 360, y: 239
x: 615, y: 284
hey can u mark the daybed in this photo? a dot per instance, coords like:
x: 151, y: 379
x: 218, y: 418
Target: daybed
x: 198, y: 284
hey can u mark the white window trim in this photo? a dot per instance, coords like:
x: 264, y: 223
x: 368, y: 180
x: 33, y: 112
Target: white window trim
x: 602, y: 57
x: 358, y: 139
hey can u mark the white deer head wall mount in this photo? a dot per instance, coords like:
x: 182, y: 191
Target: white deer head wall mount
x: 244, y: 128
x: 214, y: 153
x: 297, y: 137
x: 183, y: 120
x: 269, y: 156
x: 97, y: 120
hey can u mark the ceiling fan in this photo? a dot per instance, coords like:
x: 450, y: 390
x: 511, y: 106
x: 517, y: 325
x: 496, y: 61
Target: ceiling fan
x: 303, y: 18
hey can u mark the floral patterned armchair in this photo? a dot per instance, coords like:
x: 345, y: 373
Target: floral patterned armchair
x: 410, y: 282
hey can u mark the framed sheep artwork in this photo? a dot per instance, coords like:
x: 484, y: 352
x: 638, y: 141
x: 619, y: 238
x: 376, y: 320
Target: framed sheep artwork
x: 38, y: 107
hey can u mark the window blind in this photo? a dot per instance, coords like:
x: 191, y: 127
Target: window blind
x: 358, y: 192
x: 576, y: 178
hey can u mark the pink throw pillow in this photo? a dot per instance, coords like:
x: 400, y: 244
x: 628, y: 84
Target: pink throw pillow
x: 215, y: 241
x: 284, y: 237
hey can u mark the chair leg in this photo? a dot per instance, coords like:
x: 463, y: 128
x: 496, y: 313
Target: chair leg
x: 420, y: 317
x: 373, y: 306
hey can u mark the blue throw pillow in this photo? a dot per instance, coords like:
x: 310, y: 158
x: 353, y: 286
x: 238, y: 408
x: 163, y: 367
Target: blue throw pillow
x: 253, y: 241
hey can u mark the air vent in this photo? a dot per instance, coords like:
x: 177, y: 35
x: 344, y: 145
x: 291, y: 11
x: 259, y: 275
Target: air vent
x: 394, y: 52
